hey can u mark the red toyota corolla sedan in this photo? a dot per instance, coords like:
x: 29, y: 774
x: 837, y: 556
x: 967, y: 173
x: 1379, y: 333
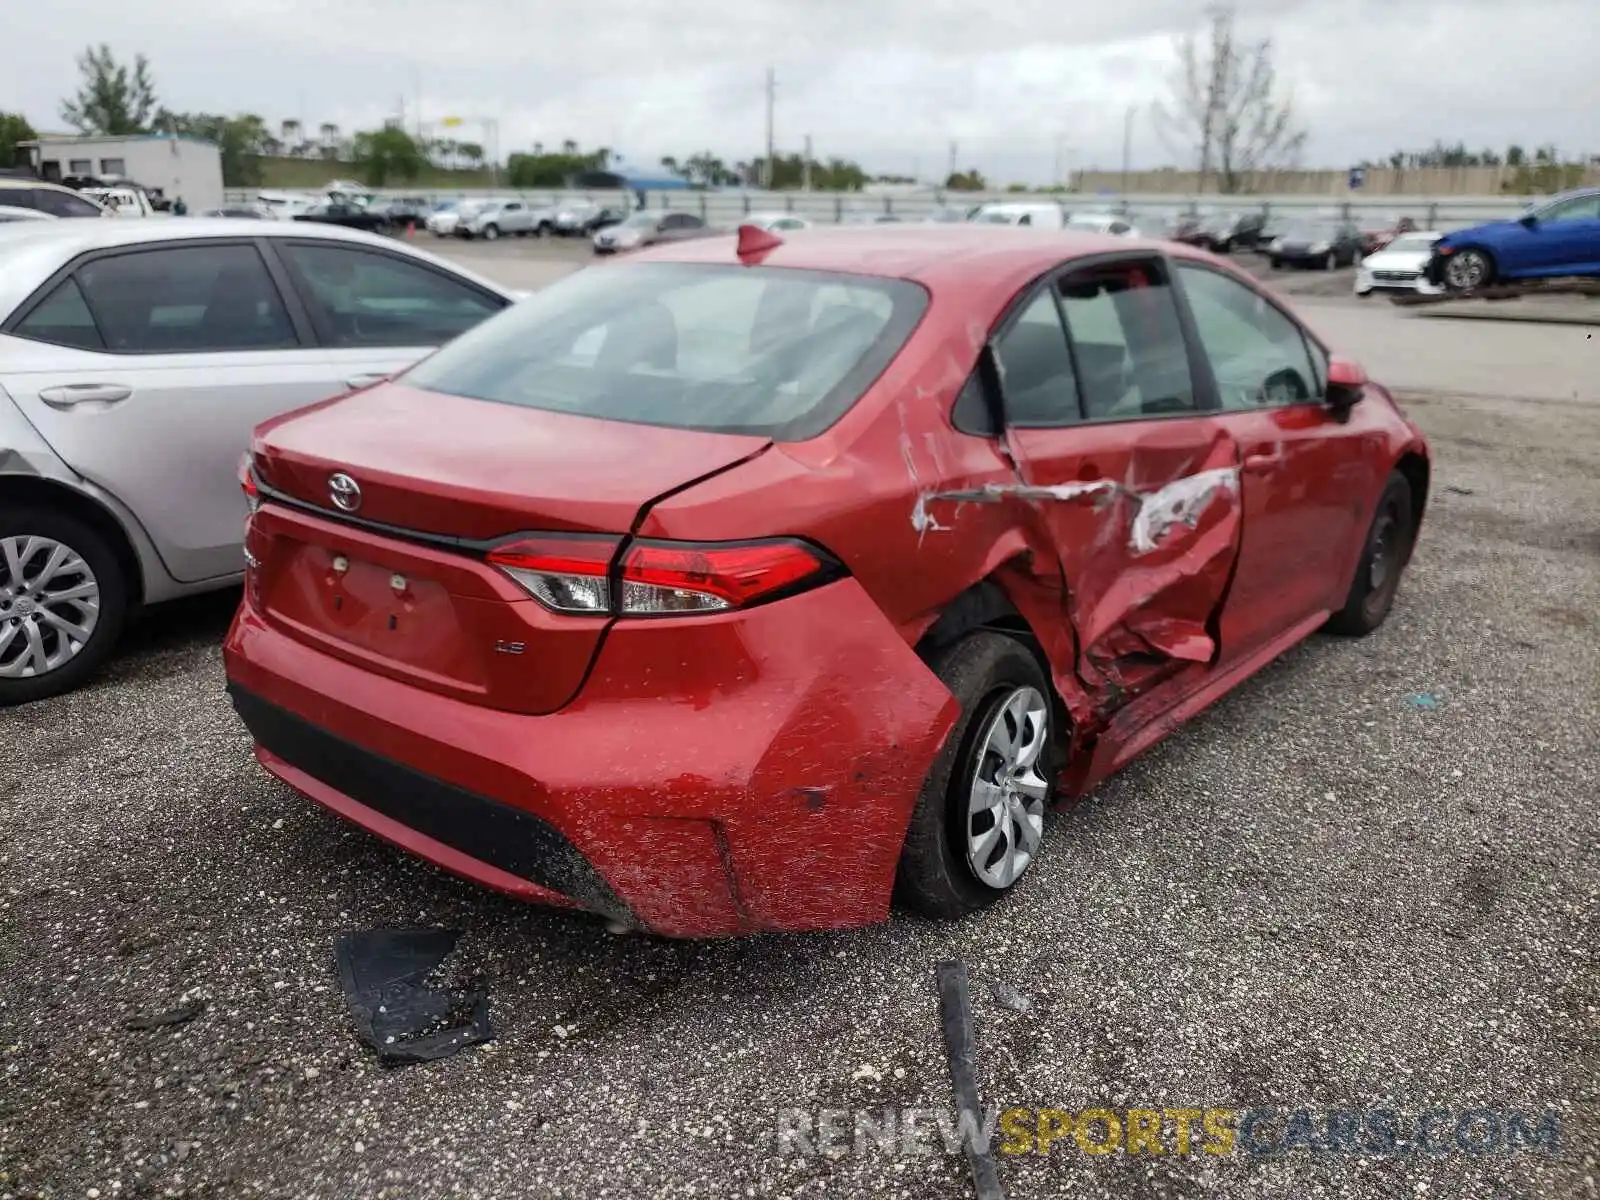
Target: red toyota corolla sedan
x: 746, y: 585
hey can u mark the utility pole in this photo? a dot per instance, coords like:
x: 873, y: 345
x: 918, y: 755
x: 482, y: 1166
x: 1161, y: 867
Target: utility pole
x: 955, y: 153
x: 772, y: 95
x: 805, y: 168
x: 416, y: 90
x: 1127, y: 146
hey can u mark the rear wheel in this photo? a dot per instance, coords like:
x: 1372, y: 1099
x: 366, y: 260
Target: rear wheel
x: 63, y: 601
x: 1383, y: 559
x: 1276, y: 263
x: 491, y: 233
x: 979, y: 821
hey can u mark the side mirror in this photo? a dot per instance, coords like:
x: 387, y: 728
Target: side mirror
x: 1347, y: 382
x: 1527, y: 221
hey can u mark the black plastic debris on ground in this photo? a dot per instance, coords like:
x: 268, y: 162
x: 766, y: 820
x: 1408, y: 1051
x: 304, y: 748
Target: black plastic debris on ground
x: 961, y: 1048
x: 391, y: 978
x: 181, y: 1015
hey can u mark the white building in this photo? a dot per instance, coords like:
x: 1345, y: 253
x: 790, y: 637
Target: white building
x: 177, y: 164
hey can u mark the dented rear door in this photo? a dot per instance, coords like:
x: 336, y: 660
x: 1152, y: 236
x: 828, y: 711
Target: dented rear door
x: 1137, y: 487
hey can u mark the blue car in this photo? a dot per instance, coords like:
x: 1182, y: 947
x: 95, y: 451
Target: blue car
x: 1557, y: 238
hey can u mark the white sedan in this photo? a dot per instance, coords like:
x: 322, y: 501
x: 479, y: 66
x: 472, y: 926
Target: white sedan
x: 775, y: 222
x: 1102, y: 223
x: 1399, y: 266
x: 135, y: 359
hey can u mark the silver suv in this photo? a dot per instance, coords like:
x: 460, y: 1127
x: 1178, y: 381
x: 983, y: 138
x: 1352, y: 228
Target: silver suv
x: 497, y: 218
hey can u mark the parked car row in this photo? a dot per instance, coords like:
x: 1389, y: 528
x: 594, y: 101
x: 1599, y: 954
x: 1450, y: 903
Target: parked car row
x: 494, y: 219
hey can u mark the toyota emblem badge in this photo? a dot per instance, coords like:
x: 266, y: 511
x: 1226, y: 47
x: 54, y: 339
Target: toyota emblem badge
x: 344, y: 492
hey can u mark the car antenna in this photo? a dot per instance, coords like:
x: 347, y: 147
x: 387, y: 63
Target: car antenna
x: 754, y: 242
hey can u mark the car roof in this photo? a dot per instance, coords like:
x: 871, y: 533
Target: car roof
x: 19, y: 182
x: 32, y: 251
x: 963, y: 256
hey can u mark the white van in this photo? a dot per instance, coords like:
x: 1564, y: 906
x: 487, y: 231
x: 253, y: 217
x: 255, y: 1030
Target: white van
x: 1035, y: 215
x: 121, y: 201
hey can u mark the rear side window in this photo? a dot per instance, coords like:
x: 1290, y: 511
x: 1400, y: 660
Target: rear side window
x: 21, y: 197
x: 62, y: 319
x: 1132, y: 358
x: 759, y: 350
x: 63, y: 204
x: 367, y: 299
x: 1036, y: 374
x: 186, y: 299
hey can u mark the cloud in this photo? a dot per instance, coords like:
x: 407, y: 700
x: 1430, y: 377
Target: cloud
x: 1018, y: 87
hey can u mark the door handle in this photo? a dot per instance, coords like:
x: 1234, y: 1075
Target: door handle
x: 361, y: 381
x: 1261, y: 464
x: 72, y: 394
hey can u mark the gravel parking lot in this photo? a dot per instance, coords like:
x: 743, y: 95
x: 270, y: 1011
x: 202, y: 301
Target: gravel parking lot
x: 1366, y: 879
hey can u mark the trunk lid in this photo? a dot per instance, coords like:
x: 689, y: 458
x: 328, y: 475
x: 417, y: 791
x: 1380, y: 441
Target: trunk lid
x: 449, y: 474
x: 477, y: 470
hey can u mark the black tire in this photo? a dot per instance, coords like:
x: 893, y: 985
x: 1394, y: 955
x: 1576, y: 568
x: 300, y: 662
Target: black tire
x: 491, y: 233
x: 1276, y: 263
x: 934, y: 876
x: 102, y: 561
x: 1384, y: 555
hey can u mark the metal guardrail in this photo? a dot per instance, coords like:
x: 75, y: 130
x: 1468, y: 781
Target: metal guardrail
x: 727, y: 207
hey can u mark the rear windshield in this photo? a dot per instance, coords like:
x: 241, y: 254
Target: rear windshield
x: 768, y: 351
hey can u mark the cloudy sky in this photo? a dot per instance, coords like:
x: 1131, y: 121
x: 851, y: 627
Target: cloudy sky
x: 1014, y: 82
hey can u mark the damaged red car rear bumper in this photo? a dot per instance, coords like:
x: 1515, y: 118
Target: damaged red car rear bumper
x: 741, y: 773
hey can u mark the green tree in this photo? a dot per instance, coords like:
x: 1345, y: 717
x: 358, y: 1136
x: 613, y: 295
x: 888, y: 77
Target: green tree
x: 241, y: 141
x: 970, y: 180
x: 542, y: 169
x: 14, y: 128
x: 110, y: 99
x: 832, y: 175
x: 386, y: 154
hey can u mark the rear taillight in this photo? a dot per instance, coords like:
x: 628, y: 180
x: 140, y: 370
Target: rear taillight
x: 581, y: 575
x: 565, y: 574
x: 247, y: 480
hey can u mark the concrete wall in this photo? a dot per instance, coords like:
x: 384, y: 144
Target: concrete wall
x: 719, y: 208
x: 1422, y: 181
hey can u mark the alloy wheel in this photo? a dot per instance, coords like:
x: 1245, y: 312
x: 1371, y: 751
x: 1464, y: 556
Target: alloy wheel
x: 1005, y: 814
x: 1466, y: 270
x: 49, y: 605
